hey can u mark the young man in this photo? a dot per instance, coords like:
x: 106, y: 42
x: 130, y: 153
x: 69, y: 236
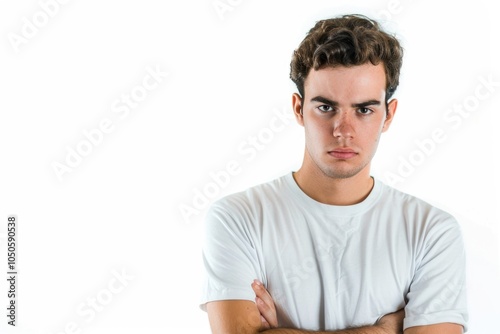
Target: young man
x: 328, y: 248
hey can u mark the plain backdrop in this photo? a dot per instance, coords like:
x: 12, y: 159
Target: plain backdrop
x: 134, y: 202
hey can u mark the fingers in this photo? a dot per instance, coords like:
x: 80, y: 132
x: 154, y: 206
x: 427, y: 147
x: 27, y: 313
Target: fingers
x: 262, y: 293
x: 265, y: 304
x: 265, y: 324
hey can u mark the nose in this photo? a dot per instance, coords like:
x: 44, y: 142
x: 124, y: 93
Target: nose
x: 343, y: 126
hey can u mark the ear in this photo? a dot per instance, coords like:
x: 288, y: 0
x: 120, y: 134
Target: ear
x: 297, y: 108
x: 391, y: 111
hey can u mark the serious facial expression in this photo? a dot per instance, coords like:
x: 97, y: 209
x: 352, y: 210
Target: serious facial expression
x: 344, y: 113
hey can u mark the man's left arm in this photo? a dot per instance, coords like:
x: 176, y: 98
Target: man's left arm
x: 269, y: 318
x: 436, y: 300
x: 443, y: 328
x: 391, y: 323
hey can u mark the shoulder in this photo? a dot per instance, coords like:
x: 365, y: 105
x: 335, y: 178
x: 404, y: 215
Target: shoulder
x: 417, y: 210
x: 252, y: 201
x: 428, y: 228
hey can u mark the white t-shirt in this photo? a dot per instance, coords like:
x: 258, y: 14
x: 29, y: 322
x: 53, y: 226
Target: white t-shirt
x: 332, y: 267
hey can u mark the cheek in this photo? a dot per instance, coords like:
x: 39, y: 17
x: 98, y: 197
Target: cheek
x: 375, y: 138
x: 318, y: 130
x: 369, y: 135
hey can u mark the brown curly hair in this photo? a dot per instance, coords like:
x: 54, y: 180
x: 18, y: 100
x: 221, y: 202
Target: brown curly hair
x: 348, y: 40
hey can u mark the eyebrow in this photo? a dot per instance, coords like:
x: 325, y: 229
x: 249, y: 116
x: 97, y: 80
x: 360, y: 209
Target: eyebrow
x: 331, y: 103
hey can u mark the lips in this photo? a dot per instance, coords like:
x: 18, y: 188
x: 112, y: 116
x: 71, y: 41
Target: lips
x: 343, y: 153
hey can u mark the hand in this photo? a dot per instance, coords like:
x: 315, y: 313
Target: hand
x: 392, y: 323
x: 265, y: 304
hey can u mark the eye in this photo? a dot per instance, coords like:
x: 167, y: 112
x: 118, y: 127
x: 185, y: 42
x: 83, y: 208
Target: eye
x: 325, y: 108
x: 365, y: 111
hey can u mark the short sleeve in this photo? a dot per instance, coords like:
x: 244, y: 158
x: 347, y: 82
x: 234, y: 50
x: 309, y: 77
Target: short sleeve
x: 229, y: 256
x: 437, y: 293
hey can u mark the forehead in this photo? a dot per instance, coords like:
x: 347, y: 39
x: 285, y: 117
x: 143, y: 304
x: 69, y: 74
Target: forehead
x: 347, y: 83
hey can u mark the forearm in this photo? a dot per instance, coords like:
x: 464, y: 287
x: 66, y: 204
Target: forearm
x: 391, y: 323
x: 361, y: 330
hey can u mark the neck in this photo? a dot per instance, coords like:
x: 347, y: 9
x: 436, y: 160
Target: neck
x: 335, y: 191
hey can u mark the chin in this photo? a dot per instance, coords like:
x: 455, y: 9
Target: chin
x: 342, y: 173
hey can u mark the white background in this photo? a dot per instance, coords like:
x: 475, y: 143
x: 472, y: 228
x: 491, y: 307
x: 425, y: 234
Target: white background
x: 119, y: 209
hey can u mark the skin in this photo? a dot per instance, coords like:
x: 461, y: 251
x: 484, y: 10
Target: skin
x: 390, y: 323
x: 347, y: 121
x: 343, y: 113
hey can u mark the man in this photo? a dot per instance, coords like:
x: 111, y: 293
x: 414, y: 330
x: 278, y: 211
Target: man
x: 329, y: 249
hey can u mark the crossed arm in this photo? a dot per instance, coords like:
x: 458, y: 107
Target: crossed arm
x: 246, y: 317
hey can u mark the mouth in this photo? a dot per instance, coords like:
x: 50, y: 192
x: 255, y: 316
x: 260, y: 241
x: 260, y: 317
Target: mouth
x: 343, y: 153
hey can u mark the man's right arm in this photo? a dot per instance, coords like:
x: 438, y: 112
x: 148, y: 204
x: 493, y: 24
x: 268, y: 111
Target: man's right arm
x: 234, y: 317
x: 243, y: 317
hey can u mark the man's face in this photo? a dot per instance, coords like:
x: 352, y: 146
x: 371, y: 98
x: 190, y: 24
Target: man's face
x: 343, y: 113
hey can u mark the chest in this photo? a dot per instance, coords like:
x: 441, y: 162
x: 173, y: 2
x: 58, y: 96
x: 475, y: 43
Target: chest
x: 346, y: 270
